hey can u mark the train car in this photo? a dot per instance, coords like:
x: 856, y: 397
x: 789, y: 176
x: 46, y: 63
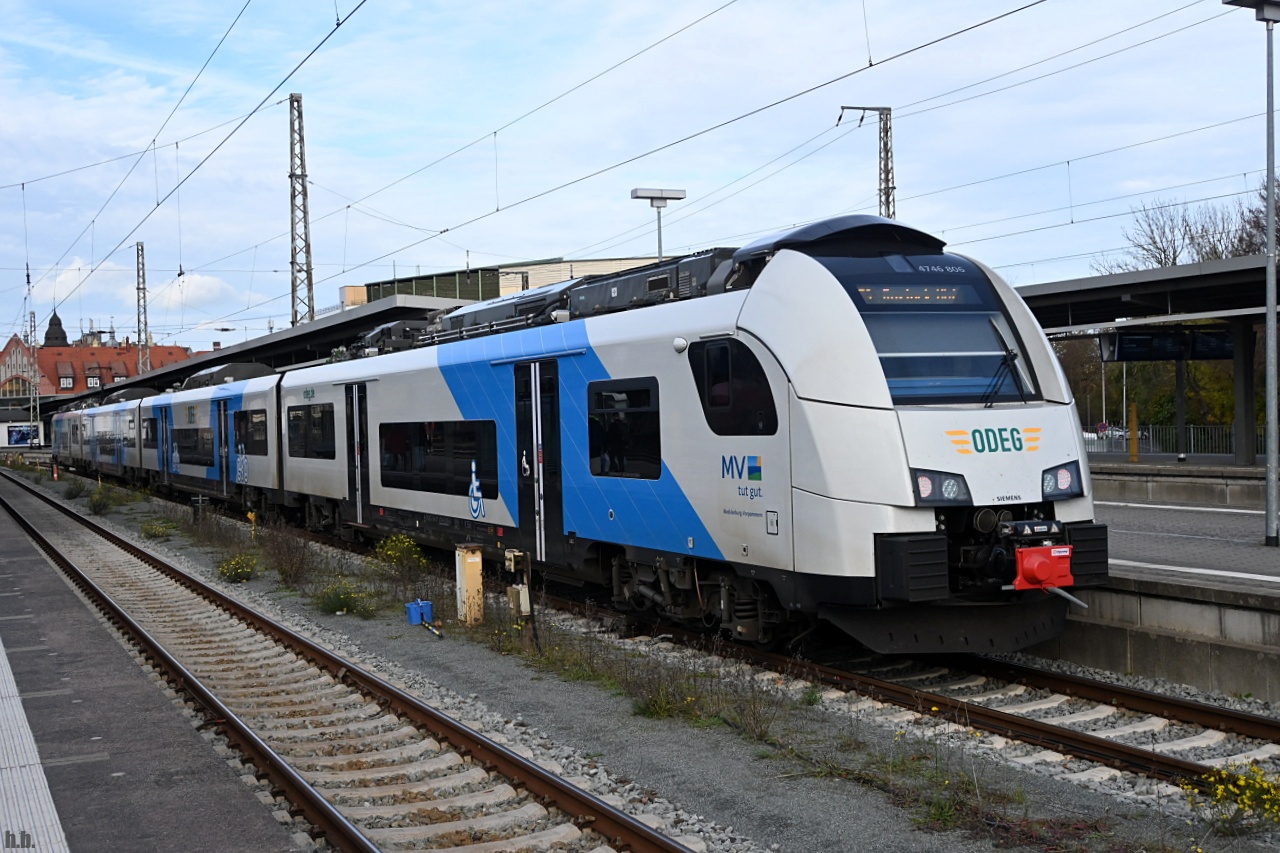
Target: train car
x: 843, y: 422
x: 71, y: 433
x: 215, y: 438
x: 316, y: 454
x: 113, y: 438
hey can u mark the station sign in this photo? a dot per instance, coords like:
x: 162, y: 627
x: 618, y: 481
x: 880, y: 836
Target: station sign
x: 1167, y: 345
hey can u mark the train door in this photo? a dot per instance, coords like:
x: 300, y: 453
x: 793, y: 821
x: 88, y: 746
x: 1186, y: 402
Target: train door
x: 91, y: 441
x: 164, y: 421
x: 222, y: 426
x: 538, y: 452
x: 358, y: 448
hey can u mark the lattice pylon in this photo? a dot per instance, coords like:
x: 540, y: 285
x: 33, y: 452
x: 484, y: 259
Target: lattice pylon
x: 303, y: 287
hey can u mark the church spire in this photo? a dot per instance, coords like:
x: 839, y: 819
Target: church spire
x: 55, y: 335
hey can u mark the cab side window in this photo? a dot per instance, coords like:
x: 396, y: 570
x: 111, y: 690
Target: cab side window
x: 735, y: 393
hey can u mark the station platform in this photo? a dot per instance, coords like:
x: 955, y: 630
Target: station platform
x: 1194, y: 593
x: 92, y: 755
x: 1203, y: 479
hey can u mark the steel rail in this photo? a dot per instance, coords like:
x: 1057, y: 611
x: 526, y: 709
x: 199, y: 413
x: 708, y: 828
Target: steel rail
x: 619, y: 829
x: 1184, y: 710
x: 1045, y: 734
x: 340, y: 832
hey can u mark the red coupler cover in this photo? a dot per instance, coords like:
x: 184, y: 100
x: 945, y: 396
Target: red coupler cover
x: 1048, y: 565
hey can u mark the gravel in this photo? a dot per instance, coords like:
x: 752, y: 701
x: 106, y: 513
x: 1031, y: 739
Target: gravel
x: 713, y: 788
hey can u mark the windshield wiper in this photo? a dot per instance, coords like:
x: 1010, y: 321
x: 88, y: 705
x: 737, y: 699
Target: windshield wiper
x: 1006, y: 367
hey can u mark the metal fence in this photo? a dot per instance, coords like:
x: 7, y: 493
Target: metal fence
x: 1164, y: 439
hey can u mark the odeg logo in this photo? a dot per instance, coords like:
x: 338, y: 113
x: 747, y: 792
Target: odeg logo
x: 990, y: 440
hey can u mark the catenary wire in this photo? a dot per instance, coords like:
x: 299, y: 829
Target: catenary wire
x: 546, y: 104
x: 480, y: 139
x: 407, y: 225
x: 703, y: 132
x: 687, y: 212
x: 152, y: 146
x: 758, y: 110
x: 225, y: 139
x: 141, y: 153
x: 692, y: 210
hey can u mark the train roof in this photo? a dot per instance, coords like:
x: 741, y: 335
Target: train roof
x: 222, y: 373
x: 854, y: 228
x: 687, y: 277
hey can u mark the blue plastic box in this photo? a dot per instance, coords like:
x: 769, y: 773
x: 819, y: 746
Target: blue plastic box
x: 419, y: 611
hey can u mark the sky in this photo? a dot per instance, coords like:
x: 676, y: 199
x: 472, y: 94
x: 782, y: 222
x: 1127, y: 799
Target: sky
x: 442, y: 135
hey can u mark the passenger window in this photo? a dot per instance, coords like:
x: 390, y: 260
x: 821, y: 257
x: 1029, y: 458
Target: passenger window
x: 311, y: 431
x: 250, y: 428
x: 194, y: 446
x: 439, y: 456
x: 735, y: 393
x: 624, y: 431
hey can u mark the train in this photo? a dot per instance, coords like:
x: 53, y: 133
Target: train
x: 840, y: 424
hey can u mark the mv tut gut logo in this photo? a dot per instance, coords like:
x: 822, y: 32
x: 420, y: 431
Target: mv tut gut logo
x: 992, y: 440
x: 748, y: 468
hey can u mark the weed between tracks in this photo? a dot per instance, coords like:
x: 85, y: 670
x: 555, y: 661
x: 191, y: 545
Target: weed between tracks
x: 944, y: 789
x: 336, y: 582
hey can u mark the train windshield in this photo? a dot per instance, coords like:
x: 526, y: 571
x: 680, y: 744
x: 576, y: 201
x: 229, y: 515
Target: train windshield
x: 939, y: 328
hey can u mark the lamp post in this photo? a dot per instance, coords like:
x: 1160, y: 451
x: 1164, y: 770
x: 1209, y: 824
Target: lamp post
x: 1268, y: 11
x: 657, y: 200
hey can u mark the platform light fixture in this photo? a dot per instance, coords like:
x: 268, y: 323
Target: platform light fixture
x: 657, y: 200
x: 1268, y: 11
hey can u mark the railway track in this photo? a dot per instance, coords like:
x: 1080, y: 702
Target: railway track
x: 1088, y: 730
x: 1091, y: 730
x: 369, y: 766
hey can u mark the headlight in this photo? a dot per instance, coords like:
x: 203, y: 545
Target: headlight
x: 938, y: 488
x: 1061, y: 481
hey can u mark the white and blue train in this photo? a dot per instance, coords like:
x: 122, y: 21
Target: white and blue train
x: 840, y: 423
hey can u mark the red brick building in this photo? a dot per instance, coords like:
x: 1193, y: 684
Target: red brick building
x: 94, y: 362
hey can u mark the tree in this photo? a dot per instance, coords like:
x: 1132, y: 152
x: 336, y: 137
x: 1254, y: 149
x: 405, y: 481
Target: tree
x: 1168, y: 233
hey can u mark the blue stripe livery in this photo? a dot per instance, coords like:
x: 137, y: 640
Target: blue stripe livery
x: 653, y: 513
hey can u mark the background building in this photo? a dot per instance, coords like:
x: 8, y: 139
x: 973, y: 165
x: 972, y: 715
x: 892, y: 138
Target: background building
x: 94, y: 362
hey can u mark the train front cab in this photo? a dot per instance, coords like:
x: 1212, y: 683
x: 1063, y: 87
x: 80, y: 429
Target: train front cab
x: 906, y: 537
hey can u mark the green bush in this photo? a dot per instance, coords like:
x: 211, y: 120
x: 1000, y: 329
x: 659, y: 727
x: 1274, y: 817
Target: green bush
x: 343, y: 596
x: 103, y: 499
x: 239, y: 568
x: 399, y: 562
x: 74, y: 488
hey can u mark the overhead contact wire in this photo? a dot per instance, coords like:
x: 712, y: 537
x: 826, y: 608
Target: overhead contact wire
x: 152, y: 148
x: 711, y: 129
x: 233, y: 132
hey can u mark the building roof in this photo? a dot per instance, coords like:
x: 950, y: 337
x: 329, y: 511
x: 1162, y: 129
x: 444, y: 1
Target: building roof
x: 1230, y: 288
x: 108, y: 364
